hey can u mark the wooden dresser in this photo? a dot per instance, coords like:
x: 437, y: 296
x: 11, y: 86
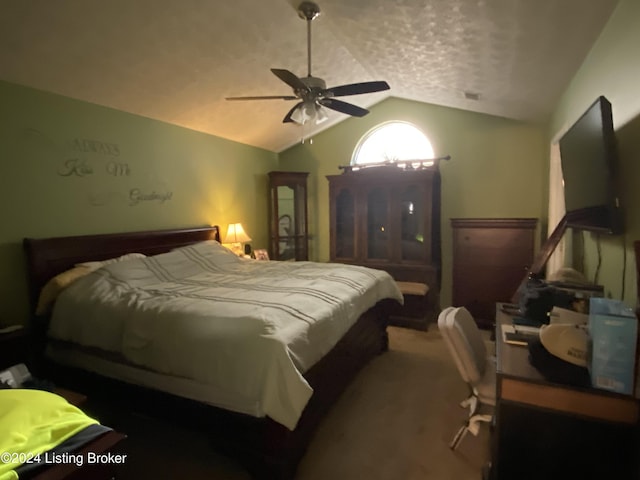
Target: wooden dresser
x: 490, y: 258
x: 388, y: 218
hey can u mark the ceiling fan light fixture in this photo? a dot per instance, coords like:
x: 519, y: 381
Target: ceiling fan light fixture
x: 309, y: 112
x: 312, y: 92
x: 321, y: 115
x: 301, y: 115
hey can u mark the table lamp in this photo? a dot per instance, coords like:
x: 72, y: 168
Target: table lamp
x: 235, y: 237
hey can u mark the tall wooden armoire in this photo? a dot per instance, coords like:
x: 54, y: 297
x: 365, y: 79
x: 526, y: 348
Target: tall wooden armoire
x: 388, y: 218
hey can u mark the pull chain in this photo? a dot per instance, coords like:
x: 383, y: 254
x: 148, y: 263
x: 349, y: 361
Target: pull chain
x: 302, y: 137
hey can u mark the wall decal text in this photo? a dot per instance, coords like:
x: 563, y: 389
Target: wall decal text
x: 118, y: 169
x: 95, y: 146
x: 136, y: 196
x: 75, y: 167
x: 83, y: 158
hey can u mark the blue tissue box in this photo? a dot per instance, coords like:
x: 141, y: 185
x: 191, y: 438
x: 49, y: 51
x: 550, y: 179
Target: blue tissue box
x: 613, y: 329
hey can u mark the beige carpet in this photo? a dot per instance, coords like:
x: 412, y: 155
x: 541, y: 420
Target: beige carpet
x: 394, y: 422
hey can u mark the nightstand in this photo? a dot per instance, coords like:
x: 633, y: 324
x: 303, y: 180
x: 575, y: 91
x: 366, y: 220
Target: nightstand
x: 14, y: 347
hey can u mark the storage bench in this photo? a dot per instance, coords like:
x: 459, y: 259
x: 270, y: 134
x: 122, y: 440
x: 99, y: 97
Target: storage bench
x: 414, y: 312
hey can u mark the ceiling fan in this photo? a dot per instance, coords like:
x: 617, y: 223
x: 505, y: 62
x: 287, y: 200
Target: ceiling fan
x: 311, y: 91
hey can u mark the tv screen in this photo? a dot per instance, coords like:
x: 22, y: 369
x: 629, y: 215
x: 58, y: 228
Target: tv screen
x: 588, y: 158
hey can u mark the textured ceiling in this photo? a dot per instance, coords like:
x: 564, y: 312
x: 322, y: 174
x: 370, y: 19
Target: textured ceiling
x: 176, y: 61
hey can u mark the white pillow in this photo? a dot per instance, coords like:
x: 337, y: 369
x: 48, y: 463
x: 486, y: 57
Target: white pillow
x: 99, y: 264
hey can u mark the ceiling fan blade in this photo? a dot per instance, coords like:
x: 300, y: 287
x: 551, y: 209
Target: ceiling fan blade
x: 311, y: 91
x: 287, y: 117
x: 356, y: 89
x: 290, y: 79
x: 268, y: 97
x: 343, y: 107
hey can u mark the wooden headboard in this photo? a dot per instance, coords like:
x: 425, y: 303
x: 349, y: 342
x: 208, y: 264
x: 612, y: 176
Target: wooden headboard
x: 47, y: 257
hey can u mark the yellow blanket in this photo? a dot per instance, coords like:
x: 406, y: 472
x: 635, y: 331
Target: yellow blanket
x: 33, y: 422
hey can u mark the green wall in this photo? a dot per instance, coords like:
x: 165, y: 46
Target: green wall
x: 70, y: 167
x: 498, y: 167
x: 612, y: 69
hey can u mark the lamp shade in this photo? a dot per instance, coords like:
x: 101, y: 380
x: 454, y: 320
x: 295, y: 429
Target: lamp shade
x: 236, y: 234
x: 309, y: 111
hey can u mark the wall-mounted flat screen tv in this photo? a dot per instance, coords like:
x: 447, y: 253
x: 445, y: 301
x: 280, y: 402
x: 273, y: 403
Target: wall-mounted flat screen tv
x: 589, y: 158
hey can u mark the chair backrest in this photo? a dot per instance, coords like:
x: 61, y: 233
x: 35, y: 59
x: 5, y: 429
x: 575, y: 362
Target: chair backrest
x: 444, y: 328
x: 465, y: 342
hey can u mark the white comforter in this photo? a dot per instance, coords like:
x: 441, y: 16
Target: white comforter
x: 243, y: 326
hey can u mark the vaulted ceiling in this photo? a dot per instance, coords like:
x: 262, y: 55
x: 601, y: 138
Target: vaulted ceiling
x: 176, y: 61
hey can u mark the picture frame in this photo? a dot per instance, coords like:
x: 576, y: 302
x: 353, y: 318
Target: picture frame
x: 261, y: 254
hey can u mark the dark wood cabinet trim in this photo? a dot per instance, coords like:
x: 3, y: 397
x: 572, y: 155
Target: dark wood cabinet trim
x: 494, y: 223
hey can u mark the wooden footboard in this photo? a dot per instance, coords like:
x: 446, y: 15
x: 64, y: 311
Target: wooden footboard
x: 266, y: 448
x: 278, y: 450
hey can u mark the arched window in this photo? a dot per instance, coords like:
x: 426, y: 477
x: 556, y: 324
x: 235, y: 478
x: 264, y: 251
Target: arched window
x: 391, y: 142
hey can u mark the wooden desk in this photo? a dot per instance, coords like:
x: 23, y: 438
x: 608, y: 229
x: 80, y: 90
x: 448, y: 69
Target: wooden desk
x: 550, y: 430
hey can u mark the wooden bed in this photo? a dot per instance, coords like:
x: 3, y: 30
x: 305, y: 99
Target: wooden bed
x: 266, y: 448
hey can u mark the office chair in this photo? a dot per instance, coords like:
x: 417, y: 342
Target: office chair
x: 477, y: 368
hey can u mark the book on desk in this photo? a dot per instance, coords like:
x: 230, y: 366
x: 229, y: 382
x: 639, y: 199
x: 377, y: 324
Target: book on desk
x: 519, y: 334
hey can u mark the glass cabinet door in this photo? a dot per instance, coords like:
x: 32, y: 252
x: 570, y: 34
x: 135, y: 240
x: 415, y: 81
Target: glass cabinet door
x: 285, y: 199
x: 300, y: 239
x: 288, y: 236
x: 412, y: 224
x: 378, y: 228
x: 345, y: 225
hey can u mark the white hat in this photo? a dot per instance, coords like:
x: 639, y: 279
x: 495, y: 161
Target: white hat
x: 566, y: 341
